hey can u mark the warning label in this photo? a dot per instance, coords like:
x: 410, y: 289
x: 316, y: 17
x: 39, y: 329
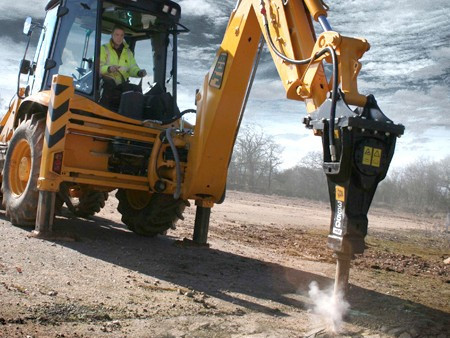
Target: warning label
x: 367, y: 158
x: 340, y: 193
x: 372, y: 157
x: 219, y: 71
x: 376, y: 157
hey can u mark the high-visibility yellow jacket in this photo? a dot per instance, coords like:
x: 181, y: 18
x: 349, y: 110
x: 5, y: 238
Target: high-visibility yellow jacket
x: 126, y: 62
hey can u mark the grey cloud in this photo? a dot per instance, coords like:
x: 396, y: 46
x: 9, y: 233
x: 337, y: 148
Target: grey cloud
x: 407, y: 68
x: 209, y: 9
x: 268, y: 90
x: 422, y: 139
x: 289, y: 137
x: 11, y: 10
x: 209, y: 36
x: 421, y: 107
x: 404, y: 35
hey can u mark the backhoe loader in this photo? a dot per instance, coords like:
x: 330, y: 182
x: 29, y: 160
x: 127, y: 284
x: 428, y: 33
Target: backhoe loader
x: 60, y: 144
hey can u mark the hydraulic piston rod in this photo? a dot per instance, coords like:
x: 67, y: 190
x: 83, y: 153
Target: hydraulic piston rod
x: 324, y: 23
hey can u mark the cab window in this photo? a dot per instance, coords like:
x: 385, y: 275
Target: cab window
x: 142, y: 49
x: 75, y: 49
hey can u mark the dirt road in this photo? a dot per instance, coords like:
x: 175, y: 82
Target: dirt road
x: 253, y: 281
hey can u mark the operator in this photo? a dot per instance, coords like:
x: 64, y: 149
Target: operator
x: 117, y: 65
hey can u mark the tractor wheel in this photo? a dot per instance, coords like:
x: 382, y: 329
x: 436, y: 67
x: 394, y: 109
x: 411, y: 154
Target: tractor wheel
x: 149, y: 214
x: 21, y: 172
x: 85, y: 202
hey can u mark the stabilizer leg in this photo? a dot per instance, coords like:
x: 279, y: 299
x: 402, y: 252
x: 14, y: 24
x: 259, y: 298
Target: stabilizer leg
x: 45, y: 214
x: 201, y: 226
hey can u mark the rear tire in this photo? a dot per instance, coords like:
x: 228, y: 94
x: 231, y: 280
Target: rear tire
x: 90, y: 203
x: 87, y: 204
x: 149, y: 214
x: 21, y: 172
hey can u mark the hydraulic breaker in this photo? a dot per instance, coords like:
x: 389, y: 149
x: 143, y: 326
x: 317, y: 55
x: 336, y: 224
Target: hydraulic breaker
x: 358, y: 146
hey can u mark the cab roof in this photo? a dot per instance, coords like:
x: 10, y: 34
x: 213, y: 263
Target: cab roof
x: 164, y: 9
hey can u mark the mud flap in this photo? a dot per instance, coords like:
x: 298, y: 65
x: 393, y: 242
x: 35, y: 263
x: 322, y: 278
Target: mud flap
x: 365, y: 142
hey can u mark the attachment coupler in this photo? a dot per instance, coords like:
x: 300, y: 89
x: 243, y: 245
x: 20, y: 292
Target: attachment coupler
x: 364, y: 141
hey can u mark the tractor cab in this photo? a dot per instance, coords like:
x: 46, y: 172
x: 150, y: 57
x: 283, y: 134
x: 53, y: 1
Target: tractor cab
x: 74, y: 31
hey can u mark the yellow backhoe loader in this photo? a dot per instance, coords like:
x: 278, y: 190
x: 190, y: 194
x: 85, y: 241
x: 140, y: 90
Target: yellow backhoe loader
x: 61, y: 144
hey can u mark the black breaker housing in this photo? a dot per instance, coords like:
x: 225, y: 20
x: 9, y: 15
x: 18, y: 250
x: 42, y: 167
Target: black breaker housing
x: 365, y: 142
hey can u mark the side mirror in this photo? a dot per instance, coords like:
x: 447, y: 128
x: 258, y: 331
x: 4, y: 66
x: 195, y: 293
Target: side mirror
x: 25, y: 66
x: 27, y: 25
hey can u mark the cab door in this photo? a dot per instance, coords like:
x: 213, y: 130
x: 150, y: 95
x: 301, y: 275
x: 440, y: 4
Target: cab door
x: 43, y: 49
x: 75, y: 51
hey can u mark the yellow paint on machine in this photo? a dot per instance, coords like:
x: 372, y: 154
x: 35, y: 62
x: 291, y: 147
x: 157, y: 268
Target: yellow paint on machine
x: 340, y: 193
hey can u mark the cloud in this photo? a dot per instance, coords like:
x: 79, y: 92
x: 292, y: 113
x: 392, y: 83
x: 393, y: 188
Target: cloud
x: 10, y: 61
x: 10, y: 10
x: 206, y: 8
x: 419, y: 109
x: 268, y: 90
x: 409, y: 40
x: 3, y: 104
x: 433, y: 144
x: 209, y: 36
x: 407, y: 67
x: 289, y: 137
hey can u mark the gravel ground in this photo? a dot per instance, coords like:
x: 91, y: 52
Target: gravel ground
x: 100, y: 279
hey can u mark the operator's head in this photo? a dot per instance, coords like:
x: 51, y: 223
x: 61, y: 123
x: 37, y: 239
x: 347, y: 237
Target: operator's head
x: 117, y: 35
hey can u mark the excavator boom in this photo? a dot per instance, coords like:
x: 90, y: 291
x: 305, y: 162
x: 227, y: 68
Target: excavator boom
x: 358, y: 144
x: 288, y: 31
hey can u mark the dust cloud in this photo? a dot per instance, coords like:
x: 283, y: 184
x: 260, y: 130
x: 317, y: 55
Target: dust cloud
x: 329, y: 308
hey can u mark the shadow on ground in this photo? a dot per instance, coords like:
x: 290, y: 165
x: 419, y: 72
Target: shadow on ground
x: 220, y: 274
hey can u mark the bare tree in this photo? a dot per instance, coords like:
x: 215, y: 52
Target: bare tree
x: 306, y: 179
x: 256, y: 158
x: 312, y: 160
x: 273, y: 161
x: 421, y: 187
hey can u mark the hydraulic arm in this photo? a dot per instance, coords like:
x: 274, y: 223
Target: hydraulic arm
x: 357, y: 144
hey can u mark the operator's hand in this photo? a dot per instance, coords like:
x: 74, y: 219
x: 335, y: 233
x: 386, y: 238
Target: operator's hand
x: 113, y: 69
x: 142, y: 73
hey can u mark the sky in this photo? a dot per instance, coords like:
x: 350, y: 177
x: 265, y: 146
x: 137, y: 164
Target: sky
x: 407, y: 69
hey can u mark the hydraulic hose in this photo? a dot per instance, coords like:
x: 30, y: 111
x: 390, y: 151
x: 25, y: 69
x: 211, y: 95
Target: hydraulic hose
x: 334, y: 98
x: 277, y: 52
x: 335, y: 85
x: 188, y: 111
x: 177, y: 192
x: 173, y: 119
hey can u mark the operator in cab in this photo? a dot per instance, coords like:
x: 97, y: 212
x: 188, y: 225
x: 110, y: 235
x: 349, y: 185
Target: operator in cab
x: 117, y: 65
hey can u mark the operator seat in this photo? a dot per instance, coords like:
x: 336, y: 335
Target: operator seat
x: 159, y: 105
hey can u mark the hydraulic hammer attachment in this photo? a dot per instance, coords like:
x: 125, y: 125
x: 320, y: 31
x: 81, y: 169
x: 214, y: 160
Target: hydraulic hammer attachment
x: 363, y: 141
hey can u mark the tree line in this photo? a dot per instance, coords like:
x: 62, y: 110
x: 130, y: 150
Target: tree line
x: 420, y: 187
